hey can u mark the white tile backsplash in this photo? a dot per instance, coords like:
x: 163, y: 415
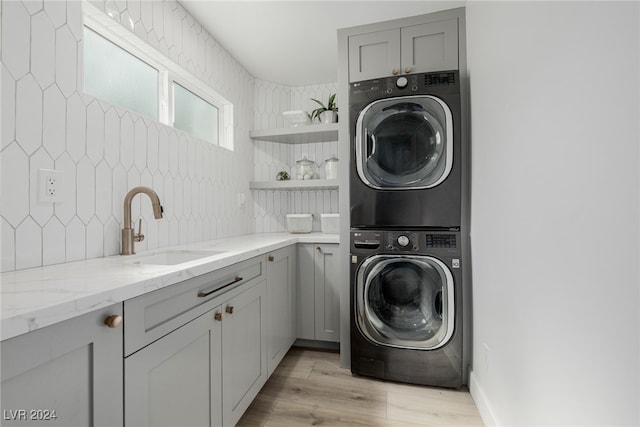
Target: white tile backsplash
x: 104, y: 150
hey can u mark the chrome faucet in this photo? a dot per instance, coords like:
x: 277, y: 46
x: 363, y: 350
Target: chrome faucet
x: 128, y: 237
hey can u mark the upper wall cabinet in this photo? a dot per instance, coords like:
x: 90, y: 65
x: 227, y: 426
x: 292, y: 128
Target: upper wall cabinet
x: 431, y: 46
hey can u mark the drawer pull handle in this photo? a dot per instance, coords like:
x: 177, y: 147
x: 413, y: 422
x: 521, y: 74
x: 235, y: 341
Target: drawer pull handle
x: 113, y: 321
x: 203, y: 294
x: 270, y: 258
x: 218, y: 317
x: 229, y: 309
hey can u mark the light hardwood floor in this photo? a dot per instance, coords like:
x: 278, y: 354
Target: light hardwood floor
x: 309, y: 389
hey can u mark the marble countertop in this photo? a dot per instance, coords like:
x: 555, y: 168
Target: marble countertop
x: 38, y: 297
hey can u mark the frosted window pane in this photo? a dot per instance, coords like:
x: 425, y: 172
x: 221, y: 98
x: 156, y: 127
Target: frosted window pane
x: 113, y: 74
x: 194, y: 115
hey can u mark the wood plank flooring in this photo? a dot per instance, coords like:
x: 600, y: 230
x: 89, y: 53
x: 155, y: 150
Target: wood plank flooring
x: 309, y: 389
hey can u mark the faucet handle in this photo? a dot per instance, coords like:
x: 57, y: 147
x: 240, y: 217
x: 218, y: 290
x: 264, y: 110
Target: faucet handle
x: 139, y: 237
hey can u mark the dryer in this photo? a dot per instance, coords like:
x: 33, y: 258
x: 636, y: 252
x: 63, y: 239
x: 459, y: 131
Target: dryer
x: 406, y: 148
x: 406, y: 306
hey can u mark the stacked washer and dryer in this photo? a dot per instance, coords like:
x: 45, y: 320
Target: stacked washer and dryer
x: 406, y: 202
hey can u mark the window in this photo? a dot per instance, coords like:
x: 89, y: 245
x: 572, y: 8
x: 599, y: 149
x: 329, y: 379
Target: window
x: 194, y: 115
x: 113, y: 74
x: 125, y: 71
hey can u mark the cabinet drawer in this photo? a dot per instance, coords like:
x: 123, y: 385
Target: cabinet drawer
x: 151, y: 316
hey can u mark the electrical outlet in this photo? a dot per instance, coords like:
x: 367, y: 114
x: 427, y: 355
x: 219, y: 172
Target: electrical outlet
x: 50, y: 183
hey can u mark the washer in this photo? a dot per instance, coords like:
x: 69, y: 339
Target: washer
x: 406, y: 306
x: 406, y: 148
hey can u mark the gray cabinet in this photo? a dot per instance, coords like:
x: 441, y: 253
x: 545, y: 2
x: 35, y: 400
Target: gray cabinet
x: 318, y: 292
x: 176, y: 380
x: 66, y: 374
x: 196, y: 351
x: 431, y: 46
x: 281, y: 300
x: 244, y: 361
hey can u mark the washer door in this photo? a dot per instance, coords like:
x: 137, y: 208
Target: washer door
x: 404, y: 143
x: 405, y: 301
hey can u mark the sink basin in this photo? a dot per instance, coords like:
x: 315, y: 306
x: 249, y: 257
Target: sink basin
x: 173, y: 257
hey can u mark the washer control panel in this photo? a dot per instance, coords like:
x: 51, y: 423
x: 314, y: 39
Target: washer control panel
x: 441, y: 240
x: 402, y: 241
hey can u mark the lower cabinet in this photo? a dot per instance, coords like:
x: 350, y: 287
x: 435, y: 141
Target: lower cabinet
x: 205, y: 373
x: 318, y: 292
x: 281, y: 300
x: 66, y: 374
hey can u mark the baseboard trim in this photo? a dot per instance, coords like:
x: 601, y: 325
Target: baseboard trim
x: 482, y: 402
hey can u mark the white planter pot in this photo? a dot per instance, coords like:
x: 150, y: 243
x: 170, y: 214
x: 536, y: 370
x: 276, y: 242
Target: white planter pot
x: 328, y: 117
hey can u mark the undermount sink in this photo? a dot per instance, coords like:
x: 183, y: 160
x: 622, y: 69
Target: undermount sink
x: 173, y: 257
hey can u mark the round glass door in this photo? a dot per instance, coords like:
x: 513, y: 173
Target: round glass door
x: 405, y: 301
x: 404, y: 143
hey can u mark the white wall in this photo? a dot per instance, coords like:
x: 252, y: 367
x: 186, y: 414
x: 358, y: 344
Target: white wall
x: 555, y: 211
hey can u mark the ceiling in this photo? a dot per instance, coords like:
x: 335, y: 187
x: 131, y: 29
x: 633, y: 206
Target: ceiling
x: 295, y: 42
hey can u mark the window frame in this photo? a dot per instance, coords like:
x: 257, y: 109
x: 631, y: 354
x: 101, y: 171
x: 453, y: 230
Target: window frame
x: 168, y: 73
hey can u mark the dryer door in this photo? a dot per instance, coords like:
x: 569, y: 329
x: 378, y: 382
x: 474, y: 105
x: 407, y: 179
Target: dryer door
x: 404, y: 143
x: 405, y: 301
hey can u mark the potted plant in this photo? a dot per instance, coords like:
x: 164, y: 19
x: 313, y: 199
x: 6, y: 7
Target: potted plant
x: 328, y: 113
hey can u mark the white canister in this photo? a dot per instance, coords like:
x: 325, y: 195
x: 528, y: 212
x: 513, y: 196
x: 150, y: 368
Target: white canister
x: 331, y: 167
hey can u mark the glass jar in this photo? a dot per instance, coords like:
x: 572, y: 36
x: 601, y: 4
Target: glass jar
x: 331, y: 167
x: 305, y: 169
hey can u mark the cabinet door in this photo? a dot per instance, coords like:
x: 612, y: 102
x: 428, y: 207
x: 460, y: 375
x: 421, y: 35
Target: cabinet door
x: 280, y: 305
x: 374, y: 55
x: 430, y: 47
x: 327, y: 293
x: 73, y: 368
x: 306, y: 294
x: 175, y: 381
x: 244, y: 351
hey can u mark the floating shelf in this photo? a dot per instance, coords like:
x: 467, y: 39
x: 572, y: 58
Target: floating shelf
x: 298, y: 135
x: 311, y: 184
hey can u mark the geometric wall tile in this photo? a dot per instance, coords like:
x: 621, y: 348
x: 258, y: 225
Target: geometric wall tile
x: 33, y: 6
x: 8, y: 109
x: 75, y: 238
x: 95, y: 132
x: 76, y: 127
x: 15, y: 38
x: 95, y: 239
x: 112, y: 137
x: 39, y: 211
x: 66, y: 60
x: 103, y: 191
x: 86, y: 190
x: 66, y: 209
x: 140, y: 145
x: 57, y: 12
x: 53, y: 121
x: 53, y: 242
x: 111, y: 238
x: 28, y: 114
x: 8, y: 248
x: 126, y: 141
x: 42, y: 49
x: 28, y: 244
x: 163, y: 150
x: 74, y: 18
x: 174, y: 154
x: 14, y: 166
x: 152, y: 148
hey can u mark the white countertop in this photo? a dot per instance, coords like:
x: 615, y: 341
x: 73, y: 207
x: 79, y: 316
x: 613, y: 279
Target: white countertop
x: 38, y: 297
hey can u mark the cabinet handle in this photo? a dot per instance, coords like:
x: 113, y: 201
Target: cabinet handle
x: 229, y: 309
x: 394, y: 71
x: 407, y: 70
x: 270, y: 258
x: 113, y: 321
x: 318, y: 248
x: 218, y: 317
x: 203, y: 294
